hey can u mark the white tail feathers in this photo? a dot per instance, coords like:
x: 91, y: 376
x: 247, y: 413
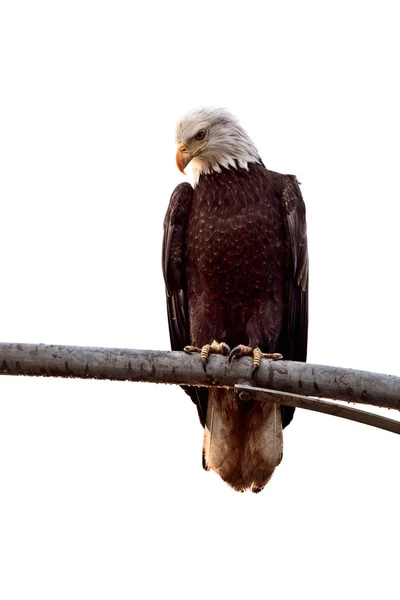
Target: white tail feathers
x: 243, y: 441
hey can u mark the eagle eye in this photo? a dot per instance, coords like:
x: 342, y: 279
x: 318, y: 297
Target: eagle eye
x: 200, y: 135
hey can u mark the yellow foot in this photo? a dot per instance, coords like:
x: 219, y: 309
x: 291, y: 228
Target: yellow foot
x: 256, y: 353
x: 205, y: 351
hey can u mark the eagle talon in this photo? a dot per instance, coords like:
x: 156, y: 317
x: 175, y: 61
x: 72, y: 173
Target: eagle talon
x: 224, y: 349
x: 254, y: 369
x: 238, y: 351
x: 273, y: 356
x: 207, y: 349
x: 190, y: 349
x: 256, y: 353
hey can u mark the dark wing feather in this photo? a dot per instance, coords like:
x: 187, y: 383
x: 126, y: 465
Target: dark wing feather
x: 297, y: 287
x: 294, y: 336
x: 173, y: 265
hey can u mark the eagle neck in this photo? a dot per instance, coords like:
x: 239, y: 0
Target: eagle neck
x: 200, y: 175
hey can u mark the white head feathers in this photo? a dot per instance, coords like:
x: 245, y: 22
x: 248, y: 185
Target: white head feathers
x: 222, y: 141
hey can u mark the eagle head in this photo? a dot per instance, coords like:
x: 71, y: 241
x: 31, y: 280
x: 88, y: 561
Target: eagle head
x: 212, y: 139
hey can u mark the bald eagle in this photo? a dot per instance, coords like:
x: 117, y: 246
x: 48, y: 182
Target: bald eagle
x: 235, y: 265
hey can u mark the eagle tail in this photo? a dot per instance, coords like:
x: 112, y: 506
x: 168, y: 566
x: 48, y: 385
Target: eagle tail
x: 243, y: 441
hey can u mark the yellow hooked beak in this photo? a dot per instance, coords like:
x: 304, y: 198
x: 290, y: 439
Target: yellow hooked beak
x: 184, y: 155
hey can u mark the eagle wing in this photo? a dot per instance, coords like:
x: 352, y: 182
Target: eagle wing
x: 173, y: 265
x: 295, y: 344
x: 293, y: 339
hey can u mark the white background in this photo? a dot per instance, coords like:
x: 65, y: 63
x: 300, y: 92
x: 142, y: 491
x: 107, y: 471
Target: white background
x: 102, y: 494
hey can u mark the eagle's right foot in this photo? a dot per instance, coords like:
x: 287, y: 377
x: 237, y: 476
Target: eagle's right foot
x: 205, y: 351
x: 256, y: 353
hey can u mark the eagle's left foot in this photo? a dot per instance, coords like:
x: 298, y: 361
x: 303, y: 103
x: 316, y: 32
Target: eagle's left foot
x: 205, y: 351
x: 256, y: 353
